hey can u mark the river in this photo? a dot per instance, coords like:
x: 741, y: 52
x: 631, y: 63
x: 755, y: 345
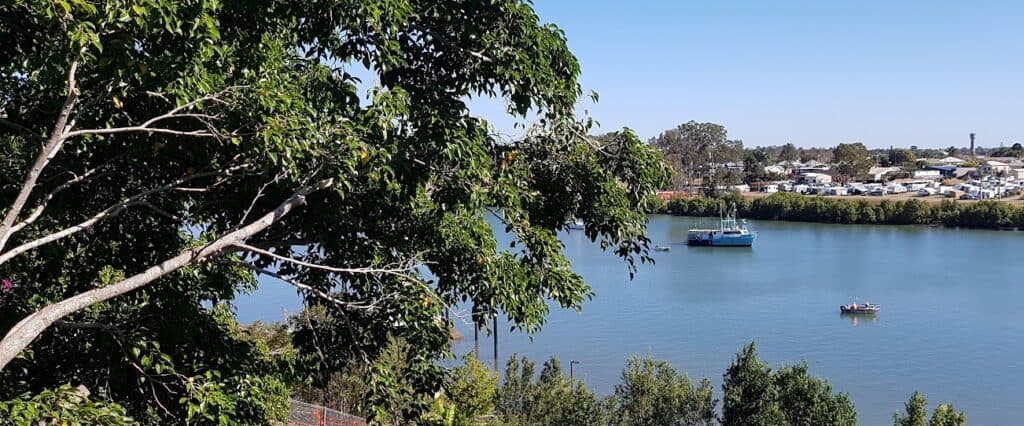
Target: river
x: 950, y: 326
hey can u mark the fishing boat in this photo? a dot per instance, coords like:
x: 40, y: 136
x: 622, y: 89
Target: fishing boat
x: 577, y: 225
x: 730, y: 233
x: 860, y: 308
x: 662, y: 248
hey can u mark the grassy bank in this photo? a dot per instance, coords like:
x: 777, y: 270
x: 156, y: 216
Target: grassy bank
x: 801, y: 208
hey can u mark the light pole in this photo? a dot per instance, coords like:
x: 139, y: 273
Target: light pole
x: 571, y: 363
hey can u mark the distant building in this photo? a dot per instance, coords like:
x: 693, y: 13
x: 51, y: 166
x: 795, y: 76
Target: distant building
x: 945, y: 170
x: 815, y: 178
x: 993, y: 167
x: 778, y: 170
x: 877, y: 174
x: 950, y: 160
x: 928, y: 174
x: 963, y: 172
x: 815, y: 168
x: 1016, y: 174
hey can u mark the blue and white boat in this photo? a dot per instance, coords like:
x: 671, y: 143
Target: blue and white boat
x: 730, y: 233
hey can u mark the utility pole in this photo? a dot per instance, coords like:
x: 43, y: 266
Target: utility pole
x: 571, y: 363
x: 495, y: 327
x: 476, y: 334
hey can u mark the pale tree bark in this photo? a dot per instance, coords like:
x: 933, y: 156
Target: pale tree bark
x: 109, y: 212
x: 29, y: 328
x: 50, y: 149
x: 64, y: 130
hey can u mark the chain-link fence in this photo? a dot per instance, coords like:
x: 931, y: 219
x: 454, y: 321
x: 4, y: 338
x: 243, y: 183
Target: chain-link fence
x: 305, y: 414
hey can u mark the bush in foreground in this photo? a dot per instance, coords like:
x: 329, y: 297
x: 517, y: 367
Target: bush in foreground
x: 652, y: 392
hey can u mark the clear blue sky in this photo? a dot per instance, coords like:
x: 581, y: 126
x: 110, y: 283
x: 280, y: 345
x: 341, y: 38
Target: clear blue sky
x: 814, y: 73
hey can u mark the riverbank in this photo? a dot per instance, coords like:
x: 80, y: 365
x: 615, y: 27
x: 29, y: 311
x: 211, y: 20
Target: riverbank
x: 801, y: 208
x: 906, y: 196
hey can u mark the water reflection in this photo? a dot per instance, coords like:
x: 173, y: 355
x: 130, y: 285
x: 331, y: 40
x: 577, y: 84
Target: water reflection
x: 857, y: 318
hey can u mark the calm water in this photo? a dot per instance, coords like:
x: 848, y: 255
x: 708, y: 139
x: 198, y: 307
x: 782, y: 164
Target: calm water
x: 951, y: 323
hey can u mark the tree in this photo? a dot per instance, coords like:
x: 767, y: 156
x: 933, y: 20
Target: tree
x: 750, y: 391
x: 698, y: 152
x: 653, y: 393
x: 473, y: 390
x: 1016, y: 150
x: 756, y: 396
x: 160, y: 155
x: 903, y: 158
x: 806, y: 400
x: 65, y: 406
x: 550, y: 399
x: 789, y: 153
x: 916, y: 414
x: 852, y: 160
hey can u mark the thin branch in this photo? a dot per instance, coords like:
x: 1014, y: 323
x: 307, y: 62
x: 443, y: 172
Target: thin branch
x: 25, y: 331
x: 50, y: 150
x: 316, y: 341
x: 146, y: 127
x: 38, y: 211
x: 18, y: 127
x: 106, y: 213
x: 306, y: 287
x: 399, y: 272
x: 140, y: 129
x: 259, y: 194
x: 89, y: 325
x: 160, y: 211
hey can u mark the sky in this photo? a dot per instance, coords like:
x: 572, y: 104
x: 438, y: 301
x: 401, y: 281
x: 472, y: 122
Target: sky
x: 813, y: 73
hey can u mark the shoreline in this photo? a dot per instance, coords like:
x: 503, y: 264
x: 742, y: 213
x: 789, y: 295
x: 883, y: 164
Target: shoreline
x: 934, y: 199
x: 854, y: 210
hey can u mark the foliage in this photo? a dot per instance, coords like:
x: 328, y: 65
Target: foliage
x: 201, y: 365
x: 64, y: 405
x: 852, y: 160
x: 550, y: 399
x: 270, y: 113
x: 1015, y: 150
x: 807, y: 400
x: 916, y: 414
x: 756, y: 396
x: 472, y: 389
x: 789, y: 153
x: 796, y: 207
x: 386, y: 388
x: 697, y: 151
x: 652, y: 393
x: 903, y: 157
x: 749, y: 391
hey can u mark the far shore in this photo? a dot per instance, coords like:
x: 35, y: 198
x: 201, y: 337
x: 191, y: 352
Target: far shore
x: 935, y: 199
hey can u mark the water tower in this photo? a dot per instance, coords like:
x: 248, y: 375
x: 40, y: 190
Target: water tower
x: 972, y: 144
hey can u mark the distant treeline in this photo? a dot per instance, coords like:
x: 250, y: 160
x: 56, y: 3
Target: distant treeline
x: 801, y: 208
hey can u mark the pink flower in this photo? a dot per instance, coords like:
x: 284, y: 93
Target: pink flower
x: 6, y: 284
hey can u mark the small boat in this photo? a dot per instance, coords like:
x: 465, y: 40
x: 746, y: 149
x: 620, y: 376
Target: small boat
x: 577, y: 225
x: 662, y: 248
x: 730, y: 233
x: 860, y: 308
